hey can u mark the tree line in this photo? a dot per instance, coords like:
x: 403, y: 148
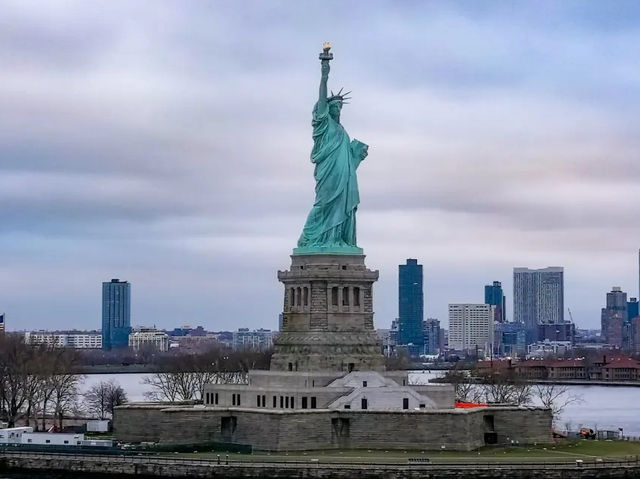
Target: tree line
x: 38, y: 383
x: 184, y: 377
x: 506, y: 387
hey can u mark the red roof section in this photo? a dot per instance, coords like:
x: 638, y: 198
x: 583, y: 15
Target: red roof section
x: 567, y: 363
x: 617, y: 361
x: 622, y: 362
x: 495, y: 364
x: 533, y: 363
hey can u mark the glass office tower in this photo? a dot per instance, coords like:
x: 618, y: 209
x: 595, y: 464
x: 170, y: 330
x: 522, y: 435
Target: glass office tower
x: 116, y: 314
x: 410, y: 306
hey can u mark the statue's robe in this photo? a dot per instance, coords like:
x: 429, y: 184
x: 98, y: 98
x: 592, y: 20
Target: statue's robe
x: 332, y: 220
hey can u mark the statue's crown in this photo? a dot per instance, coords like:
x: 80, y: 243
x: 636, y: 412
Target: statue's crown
x: 339, y: 96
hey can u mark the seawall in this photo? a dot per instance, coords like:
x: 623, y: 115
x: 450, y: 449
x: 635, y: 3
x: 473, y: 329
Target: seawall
x: 49, y: 465
x: 316, y: 429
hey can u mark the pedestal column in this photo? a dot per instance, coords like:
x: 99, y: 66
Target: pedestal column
x: 327, y: 316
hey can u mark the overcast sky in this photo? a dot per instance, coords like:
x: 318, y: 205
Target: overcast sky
x: 167, y: 143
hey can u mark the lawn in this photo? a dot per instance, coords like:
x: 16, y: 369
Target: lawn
x: 562, y: 451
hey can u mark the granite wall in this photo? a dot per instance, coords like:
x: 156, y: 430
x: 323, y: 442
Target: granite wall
x: 64, y: 466
x: 273, y: 430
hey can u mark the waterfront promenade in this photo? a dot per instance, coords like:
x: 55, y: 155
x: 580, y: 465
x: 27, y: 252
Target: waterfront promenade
x: 571, y: 460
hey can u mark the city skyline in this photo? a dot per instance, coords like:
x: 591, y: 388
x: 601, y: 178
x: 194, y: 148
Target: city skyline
x: 157, y: 154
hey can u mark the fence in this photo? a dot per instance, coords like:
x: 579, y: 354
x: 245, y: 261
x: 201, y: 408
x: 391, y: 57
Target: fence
x: 600, y: 434
x: 631, y: 462
x: 146, y: 449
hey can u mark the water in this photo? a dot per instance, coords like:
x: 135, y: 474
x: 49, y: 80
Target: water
x: 131, y: 383
x: 600, y: 407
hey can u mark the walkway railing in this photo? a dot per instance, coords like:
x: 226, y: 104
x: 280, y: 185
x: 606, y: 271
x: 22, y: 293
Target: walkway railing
x: 412, y: 463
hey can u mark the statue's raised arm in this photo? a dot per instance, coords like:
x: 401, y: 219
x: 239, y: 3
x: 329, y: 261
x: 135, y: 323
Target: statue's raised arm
x: 325, y: 58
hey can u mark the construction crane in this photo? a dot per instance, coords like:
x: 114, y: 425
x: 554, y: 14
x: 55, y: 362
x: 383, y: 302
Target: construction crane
x: 571, y: 316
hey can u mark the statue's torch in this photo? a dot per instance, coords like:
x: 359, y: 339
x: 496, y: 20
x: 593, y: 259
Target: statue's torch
x: 326, y: 55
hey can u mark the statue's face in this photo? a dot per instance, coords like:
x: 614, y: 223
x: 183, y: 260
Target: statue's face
x: 334, y: 109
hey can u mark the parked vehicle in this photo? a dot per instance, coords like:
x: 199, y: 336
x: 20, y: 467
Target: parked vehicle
x: 587, y: 433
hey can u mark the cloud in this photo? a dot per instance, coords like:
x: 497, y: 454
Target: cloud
x: 169, y: 145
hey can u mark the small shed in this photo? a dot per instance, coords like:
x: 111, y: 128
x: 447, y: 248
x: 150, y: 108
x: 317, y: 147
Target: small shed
x: 98, y: 442
x: 13, y: 435
x: 52, y: 439
x: 98, y: 425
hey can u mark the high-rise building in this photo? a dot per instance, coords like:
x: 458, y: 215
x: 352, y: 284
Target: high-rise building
x: 635, y: 335
x: 630, y: 333
x: 510, y: 339
x: 257, y: 340
x: 632, y: 309
x: 494, y: 295
x: 431, y: 334
x: 538, y: 298
x: 564, y: 331
x: 410, y: 306
x: 150, y: 338
x: 65, y: 339
x: 614, y: 316
x: 613, y: 330
x: 471, y: 327
x: 2, y: 325
x: 116, y: 314
x: 616, y: 299
x: 393, y: 332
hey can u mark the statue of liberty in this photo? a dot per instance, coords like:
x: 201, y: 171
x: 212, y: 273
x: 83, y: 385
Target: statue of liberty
x: 331, y: 224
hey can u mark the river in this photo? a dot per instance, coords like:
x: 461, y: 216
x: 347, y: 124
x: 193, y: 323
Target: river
x: 600, y: 407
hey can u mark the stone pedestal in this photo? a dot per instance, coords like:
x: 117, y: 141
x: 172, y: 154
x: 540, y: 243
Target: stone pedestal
x: 328, y: 316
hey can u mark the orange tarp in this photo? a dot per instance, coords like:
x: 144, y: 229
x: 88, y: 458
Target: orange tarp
x: 469, y: 405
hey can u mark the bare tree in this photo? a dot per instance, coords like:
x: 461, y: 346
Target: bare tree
x: 163, y: 387
x: 117, y: 396
x: 465, y: 387
x: 96, y: 399
x: 504, y: 387
x: 65, y: 382
x: 555, y: 397
x: 34, y: 377
x: 47, y: 386
x: 33, y: 395
x: 16, y: 362
x: 500, y: 392
x: 102, y: 398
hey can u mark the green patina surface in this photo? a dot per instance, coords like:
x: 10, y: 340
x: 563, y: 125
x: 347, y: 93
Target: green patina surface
x: 331, y: 225
x: 328, y: 250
